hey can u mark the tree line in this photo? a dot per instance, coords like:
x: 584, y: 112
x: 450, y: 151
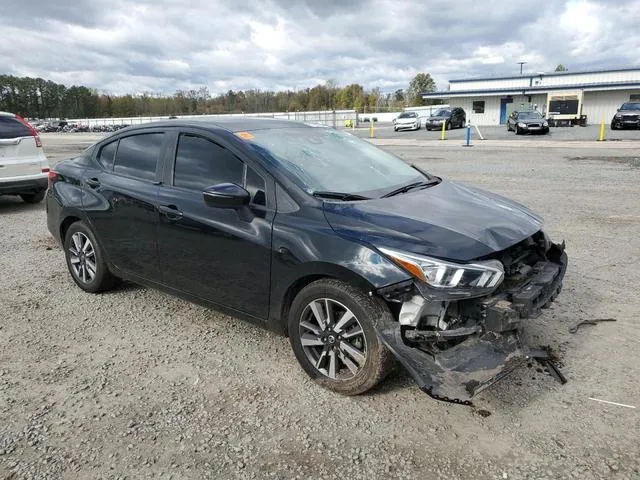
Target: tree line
x: 39, y: 98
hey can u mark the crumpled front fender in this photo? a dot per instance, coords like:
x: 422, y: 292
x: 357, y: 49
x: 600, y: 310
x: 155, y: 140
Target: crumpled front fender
x: 460, y: 372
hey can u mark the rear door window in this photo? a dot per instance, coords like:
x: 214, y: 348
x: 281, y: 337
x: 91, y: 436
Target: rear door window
x: 201, y: 163
x: 138, y: 155
x: 12, y: 128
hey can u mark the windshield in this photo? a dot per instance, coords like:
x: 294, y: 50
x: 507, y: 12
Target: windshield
x: 324, y: 159
x: 407, y: 115
x: 442, y: 113
x: 630, y: 106
x: 534, y: 115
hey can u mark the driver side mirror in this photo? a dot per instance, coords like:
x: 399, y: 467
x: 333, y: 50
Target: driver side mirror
x: 226, y: 195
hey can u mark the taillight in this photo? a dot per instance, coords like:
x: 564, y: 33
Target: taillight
x: 53, y: 176
x: 33, y: 131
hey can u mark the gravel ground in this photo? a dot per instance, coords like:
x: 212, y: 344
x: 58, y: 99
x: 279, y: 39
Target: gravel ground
x: 137, y: 384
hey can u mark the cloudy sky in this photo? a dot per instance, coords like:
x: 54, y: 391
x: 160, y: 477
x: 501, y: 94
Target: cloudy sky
x: 132, y: 46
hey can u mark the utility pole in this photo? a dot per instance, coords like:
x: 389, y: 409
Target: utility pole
x: 521, y: 64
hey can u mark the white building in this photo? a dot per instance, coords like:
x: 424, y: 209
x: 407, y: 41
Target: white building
x: 565, y: 96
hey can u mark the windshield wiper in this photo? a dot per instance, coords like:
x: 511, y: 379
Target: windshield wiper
x: 339, y: 195
x: 411, y: 186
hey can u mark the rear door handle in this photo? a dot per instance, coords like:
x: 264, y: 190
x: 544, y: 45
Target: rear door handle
x: 93, y: 182
x: 170, y: 211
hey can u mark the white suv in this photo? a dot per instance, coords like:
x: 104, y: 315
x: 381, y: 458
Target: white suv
x: 24, y: 169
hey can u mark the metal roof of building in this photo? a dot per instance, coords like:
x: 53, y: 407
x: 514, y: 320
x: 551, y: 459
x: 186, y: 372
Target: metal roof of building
x: 531, y: 90
x: 550, y: 74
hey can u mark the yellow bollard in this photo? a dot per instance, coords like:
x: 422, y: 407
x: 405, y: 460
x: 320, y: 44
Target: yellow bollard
x: 371, y: 131
x: 444, y: 124
x: 601, y: 139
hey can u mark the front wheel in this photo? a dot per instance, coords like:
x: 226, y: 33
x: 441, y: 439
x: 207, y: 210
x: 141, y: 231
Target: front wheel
x: 333, y: 336
x: 85, y: 260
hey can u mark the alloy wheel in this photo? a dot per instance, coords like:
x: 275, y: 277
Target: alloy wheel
x: 333, y: 339
x: 82, y: 257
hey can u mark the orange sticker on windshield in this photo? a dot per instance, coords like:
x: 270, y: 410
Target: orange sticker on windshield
x: 245, y: 135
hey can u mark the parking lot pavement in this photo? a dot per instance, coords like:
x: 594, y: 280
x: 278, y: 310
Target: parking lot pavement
x: 588, y: 133
x: 135, y: 383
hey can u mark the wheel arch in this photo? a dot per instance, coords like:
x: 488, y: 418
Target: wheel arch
x: 66, y: 224
x: 317, y: 271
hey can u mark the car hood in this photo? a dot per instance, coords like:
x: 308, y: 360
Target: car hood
x: 628, y: 112
x: 406, y: 120
x: 449, y: 220
x: 440, y: 118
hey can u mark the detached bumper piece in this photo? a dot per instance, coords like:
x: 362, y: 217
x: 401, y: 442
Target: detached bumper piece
x: 458, y: 373
x: 455, y: 364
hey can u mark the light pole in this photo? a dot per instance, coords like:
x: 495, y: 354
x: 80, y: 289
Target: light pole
x: 521, y: 64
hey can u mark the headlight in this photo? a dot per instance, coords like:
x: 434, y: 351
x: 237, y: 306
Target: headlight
x: 522, y: 125
x: 545, y: 124
x: 618, y: 115
x: 454, y: 279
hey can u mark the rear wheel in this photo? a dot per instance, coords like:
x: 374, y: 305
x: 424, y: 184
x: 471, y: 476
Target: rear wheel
x: 85, y: 260
x: 33, y: 197
x: 333, y: 336
x: 448, y: 125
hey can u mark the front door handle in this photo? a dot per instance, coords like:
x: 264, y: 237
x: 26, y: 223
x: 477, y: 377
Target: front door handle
x: 170, y: 211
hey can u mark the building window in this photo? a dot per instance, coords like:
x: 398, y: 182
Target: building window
x: 478, y: 106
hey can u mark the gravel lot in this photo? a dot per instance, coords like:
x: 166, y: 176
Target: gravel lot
x: 137, y: 384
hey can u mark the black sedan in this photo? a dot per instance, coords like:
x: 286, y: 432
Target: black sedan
x: 527, y: 122
x: 316, y: 234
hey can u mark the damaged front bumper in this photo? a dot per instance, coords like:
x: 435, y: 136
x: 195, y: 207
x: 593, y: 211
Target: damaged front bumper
x: 455, y: 362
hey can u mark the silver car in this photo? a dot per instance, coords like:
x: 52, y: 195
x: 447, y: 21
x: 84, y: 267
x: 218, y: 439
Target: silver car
x: 407, y: 121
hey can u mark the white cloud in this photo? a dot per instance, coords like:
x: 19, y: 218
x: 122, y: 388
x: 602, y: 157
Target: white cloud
x: 119, y: 46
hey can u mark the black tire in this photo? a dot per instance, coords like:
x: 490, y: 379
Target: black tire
x: 395, y: 129
x: 517, y: 130
x: 102, y: 279
x: 368, y: 312
x: 33, y: 197
x: 613, y: 126
x: 448, y: 127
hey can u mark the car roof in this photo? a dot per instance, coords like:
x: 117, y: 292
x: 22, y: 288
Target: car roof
x: 7, y: 114
x: 231, y: 124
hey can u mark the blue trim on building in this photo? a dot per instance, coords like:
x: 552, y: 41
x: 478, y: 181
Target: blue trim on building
x: 551, y: 74
x: 528, y: 90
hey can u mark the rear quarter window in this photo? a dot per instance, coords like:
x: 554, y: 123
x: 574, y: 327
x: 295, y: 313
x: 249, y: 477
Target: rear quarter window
x: 12, y: 128
x: 107, y: 155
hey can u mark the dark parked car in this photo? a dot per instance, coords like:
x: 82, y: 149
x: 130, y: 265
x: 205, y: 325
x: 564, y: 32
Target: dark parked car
x: 314, y: 233
x: 452, y: 117
x: 527, y: 122
x: 628, y: 115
